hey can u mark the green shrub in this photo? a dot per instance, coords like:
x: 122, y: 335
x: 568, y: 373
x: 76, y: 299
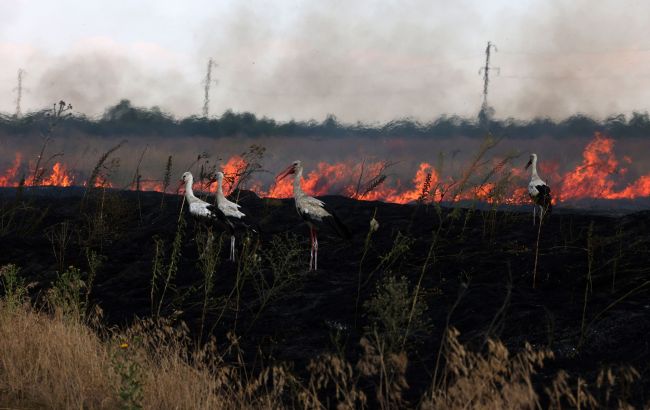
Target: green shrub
x: 68, y: 295
x: 389, y: 310
x: 15, y: 291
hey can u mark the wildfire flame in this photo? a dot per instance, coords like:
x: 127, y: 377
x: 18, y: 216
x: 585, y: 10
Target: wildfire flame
x: 596, y: 176
x: 59, y: 176
x: 9, y: 178
x: 599, y: 175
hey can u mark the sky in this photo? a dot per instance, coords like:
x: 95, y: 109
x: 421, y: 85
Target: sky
x: 369, y: 61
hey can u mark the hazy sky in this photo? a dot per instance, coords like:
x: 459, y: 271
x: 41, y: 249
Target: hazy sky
x: 371, y: 61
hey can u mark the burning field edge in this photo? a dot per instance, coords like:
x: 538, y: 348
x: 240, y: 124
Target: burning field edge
x: 497, y: 180
x: 465, y: 305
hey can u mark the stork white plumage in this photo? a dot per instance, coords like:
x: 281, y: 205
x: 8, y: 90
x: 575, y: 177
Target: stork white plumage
x: 225, y: 212
x: 230, y: 214
x: 539, y: 192
x: 313, y: 211
x: 198, y: 207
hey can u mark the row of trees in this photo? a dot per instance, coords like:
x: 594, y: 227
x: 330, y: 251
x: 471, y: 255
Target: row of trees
x: 124, y: 118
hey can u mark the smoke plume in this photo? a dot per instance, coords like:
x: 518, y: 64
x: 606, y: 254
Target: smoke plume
x: 361, y: 61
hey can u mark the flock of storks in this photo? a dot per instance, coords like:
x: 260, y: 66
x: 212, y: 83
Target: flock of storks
x: 314, y: 211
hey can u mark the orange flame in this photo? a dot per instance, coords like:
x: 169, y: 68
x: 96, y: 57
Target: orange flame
x: 59, y: 176
x: 399, y: 195
x: 599, y: 175
x: 8, y: 179
x: 232, y: 170
x: 155, y: 186
x: 594, y: 177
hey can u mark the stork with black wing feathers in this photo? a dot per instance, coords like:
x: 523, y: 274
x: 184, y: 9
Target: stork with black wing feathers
x: 539, y: 192
x: 225, y: 212
x: 313, y: 211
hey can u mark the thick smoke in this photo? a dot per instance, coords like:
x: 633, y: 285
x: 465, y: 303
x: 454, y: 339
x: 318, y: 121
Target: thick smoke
x: 99, y: 73
x: 356, y: 62
x: 362, y: 61
x: 568, y: 57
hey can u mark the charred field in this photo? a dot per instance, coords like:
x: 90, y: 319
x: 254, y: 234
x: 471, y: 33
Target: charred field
x: 426, y: 269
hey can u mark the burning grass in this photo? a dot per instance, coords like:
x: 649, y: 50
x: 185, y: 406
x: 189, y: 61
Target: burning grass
x: 600, y: 174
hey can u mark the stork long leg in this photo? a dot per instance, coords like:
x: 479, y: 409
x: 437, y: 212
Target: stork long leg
x: 311, y: 251
x: 232, y: 248
x: 315, y: 250
x: 534, y: 212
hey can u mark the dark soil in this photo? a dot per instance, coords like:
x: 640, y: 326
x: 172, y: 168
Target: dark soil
x: 482, y: 259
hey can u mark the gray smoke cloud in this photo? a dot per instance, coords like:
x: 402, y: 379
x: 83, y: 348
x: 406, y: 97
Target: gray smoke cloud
x: 348, y: 59
x: 420, y: 59
x: 90, y: 81
x: 364, y: 61
x: 569, y: 57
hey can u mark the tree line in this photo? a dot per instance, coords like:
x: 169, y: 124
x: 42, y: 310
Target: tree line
x: 126, y: 119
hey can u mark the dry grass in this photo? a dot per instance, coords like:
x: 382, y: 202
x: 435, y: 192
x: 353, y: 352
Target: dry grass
x: 494, y: 380
x: 50, y: 361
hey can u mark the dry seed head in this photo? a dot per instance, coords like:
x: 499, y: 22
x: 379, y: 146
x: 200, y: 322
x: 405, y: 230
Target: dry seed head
x: 374, y: 225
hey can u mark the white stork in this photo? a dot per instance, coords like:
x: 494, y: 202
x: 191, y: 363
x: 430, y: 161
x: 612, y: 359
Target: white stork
x: 539, y: 192
x: 197, y: 206
x: 313, y: 211
x: 230, y: 215
x: 225, y: 212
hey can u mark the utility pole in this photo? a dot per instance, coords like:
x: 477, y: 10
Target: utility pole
x: 207, y: 83
x: 486, y: 111
x: 19, y: 91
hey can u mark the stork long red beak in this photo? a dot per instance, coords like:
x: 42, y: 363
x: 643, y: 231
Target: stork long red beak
x: 291, y: 169
x: 530, y: 162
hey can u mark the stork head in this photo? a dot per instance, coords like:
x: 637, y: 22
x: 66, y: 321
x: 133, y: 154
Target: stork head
x: 187, y: 176
x: 533, y: 157
x: 219, y: 176
x: 295, y: 167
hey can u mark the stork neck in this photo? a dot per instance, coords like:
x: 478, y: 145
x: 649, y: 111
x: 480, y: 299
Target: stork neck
x: 220, y: 188
x: 189, y: 193
x: 297, y: 189
x: 534, y: 167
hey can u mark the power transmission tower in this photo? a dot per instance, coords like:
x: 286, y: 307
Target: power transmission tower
x: 19, y: 91
x: 486, y: 111
x: 207, y: 83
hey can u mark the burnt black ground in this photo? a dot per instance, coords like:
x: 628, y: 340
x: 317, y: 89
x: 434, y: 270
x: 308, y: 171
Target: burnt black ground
x: 486, y: 256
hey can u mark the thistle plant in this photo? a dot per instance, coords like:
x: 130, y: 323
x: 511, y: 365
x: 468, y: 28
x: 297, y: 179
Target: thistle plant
x: 15, y: 290
x: 131, y: 384
x: 373, y: 227
x: 59, y: 237
x: 58, y: 112
x: 390, y: 314
x: 100, y: 173
x: 209, y: 253
x: 167, y: 272
x: 401, y: 245
x: 166, y: 180
x: 67, y: 296
x: 283, y: 255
